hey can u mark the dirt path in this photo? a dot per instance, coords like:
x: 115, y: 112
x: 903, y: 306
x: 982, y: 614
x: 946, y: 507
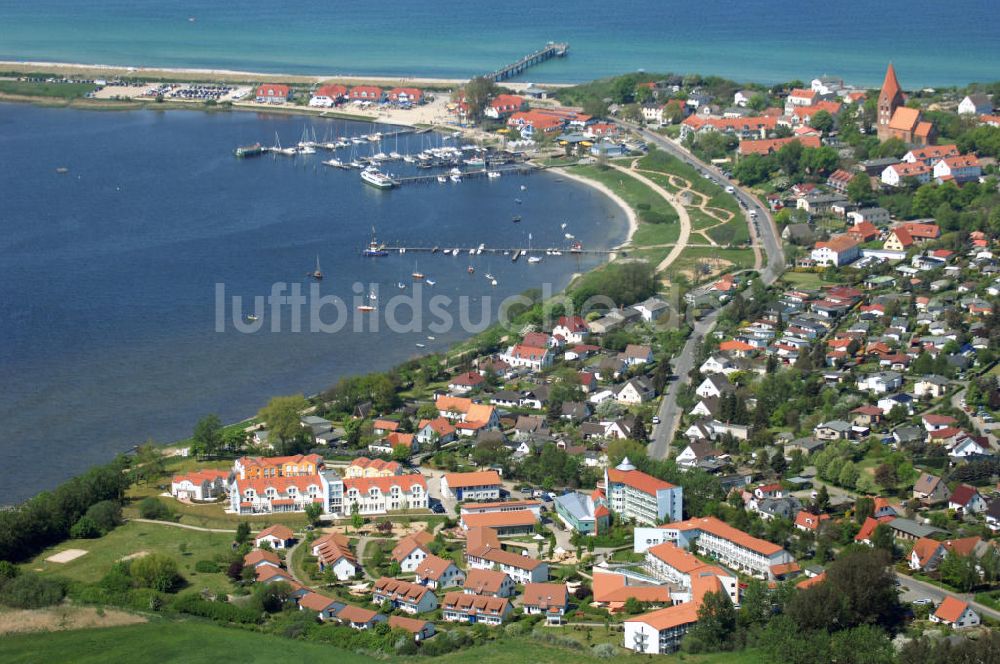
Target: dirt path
x: 684, y: 186
x: 184, y: 525
x: 682, y: 215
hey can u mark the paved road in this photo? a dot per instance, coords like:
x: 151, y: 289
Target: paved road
x: 766, y: 233
x: 913, y: 589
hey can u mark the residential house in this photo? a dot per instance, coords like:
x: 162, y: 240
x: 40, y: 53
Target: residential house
x: 547, y: 599
x: 379, y: 495
x: 273, y: 93
x: 714, y: 386
x: 521, y: 568
x: 967, y: 500
x: 573, y: 329
x: 960, y: 169
x: 838, y: 250
x: 411, y: 550
x: 490, y: 583
x: 975, y: 104
x: 635, y: 391
x: 325, y: 608
x: 420, y: 629
x: 276, y: 536
x: 479, y: 485
x: 333, y: 551
x: 199, y: 485
x: 357, y: 617
x: 955, y: 613
x: 406, y: 596
x: 531, y: 357
x: 930, y: 489
x: 437, y: 573
x: 457, y: 606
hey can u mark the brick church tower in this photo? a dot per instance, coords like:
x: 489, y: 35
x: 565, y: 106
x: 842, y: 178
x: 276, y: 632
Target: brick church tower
x: 889, y: 100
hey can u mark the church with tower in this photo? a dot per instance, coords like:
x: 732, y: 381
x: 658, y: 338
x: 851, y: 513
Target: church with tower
x: 896, y: 120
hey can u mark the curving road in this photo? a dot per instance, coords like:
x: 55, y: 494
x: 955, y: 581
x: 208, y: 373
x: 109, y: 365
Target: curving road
x: 764, y: 233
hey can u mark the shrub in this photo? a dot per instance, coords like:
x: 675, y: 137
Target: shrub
x: 206, y: 567
x: 155, y: 571
x: 107, y: 515
x: 223, y: 612
x: 153, y: 508
x: 30, y: 591
x: 604, y: 650
x: 8, y: 570
x: 85, y: 528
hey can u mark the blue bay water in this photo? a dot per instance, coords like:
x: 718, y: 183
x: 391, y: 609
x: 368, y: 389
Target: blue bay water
x: 108, y: 272
x: 932, y: 43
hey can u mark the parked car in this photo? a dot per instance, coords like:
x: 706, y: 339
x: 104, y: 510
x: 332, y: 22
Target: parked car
x: 923, y: 601
x: 656, y: 419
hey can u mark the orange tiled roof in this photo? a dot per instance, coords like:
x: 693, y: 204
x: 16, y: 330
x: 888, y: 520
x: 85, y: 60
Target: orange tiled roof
x: 951, y: 609
x: 477, y: 478
x: 723, y: 530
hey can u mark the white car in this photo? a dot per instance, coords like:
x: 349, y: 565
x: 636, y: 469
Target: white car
x: 923, y: 601
x: 656, y: 419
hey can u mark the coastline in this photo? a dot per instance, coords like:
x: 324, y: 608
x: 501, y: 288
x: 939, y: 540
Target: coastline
x: 80, y: 68
x: 630, y: 214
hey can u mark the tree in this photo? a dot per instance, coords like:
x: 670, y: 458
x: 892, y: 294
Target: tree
x: 85, y: 528
x: 822, y: 500
x: 885, y: 475
x: 400, y: 453
x: 756, y: 605
x: 242, y: 533
x: 822, y: 121
x: 106, y: 515
x: 959, y: 571
x: 638, y: 431
x: 620, y: 448
x: 865, y: 644
x: 152, y: 508
x: 282, y: 417
x: 848, y: 476
x: 356, y: 519
x: 633, y: 606
x: 272, y: 597
x: 883, y: 540
x: 313, y: 513
x: 478, y: 93
x: 207, y: 437
x: 427, y: 411
x: 156, y: 571
x: 893, y: 147
x: 716, y: 623
x: 149, y: 462
x: 864, y: 507
x: 859, y: 189
x: 30, y: 591
x: 595, y: 107
x: 778, y: 463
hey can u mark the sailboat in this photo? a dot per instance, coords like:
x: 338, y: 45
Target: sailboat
x: 317, y: 274
x: 277, y: 149
x: 366, y: 308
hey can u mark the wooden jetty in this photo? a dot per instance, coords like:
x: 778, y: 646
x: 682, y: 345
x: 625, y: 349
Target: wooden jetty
x: 551, y: 50
x: 517, y: 169
x: 515, y: 252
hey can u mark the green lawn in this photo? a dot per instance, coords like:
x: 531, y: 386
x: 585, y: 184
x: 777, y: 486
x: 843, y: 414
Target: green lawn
x: 58, y: 90
x: 740, y: 258
x: 189, y: 642
x: 652, y: 234
x: 135, y: 537
x: 193, y: 642
x: 803, y: 279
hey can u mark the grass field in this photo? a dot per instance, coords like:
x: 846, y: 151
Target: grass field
x: 652, y: 234
x: 53, y: 90
x: 194, y: 642
x: 740, y: 258
x: 632, y: 191
x: 133, y: 538
x: 804, y: 279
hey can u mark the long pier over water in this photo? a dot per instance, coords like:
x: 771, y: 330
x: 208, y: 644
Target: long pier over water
x: 551, y: 50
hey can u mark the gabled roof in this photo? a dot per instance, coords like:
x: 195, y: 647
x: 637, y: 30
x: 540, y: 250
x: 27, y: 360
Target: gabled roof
x: 473, y: 479
x: 432, y: 567
x: 406, y: 545
x: 963, y: 495
x: 484, y: 581
x: 279, y: 531
x: 951, y: 609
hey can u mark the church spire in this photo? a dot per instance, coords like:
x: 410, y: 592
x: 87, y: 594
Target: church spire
x: 890, y: 86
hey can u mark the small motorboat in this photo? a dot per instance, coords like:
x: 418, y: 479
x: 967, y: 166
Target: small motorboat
x: 562, y: 225
x: 535, y: 259
x: 569, y: 236
x: 493, y: 282
x: 400, y: 285
x: 420, y: 345
x: 250, y: 318
x: 517, y: 219
x: 430, y: 282
x: 317, y: 274
x: 517, y: 200
x: 366, y: 308
x: 470, y: 269
x: 431, y: 337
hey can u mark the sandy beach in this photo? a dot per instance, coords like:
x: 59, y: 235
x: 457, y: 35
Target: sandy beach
x: 633, y: 220
x: 236, y: 76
